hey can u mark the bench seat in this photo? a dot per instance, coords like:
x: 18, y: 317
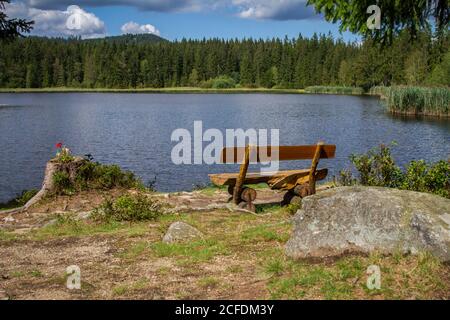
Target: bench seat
x: 281, y: 180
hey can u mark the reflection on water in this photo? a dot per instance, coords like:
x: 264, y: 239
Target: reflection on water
x: 134, y: 131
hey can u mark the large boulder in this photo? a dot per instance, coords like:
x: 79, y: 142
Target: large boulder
x: 362, y: 219
x: 180, y: 232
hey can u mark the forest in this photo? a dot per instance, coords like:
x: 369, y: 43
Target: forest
x: 321, y: 60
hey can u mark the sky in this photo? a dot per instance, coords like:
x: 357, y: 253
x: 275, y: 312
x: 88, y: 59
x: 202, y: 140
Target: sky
x: 174, y: 19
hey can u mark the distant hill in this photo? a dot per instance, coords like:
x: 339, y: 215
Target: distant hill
x: 131, y: 38
x: 122, y: 39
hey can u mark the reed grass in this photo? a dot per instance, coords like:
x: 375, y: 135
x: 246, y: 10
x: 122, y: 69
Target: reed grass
x: 335, y: 90
x: 418, y: 100
x: 381, y: 91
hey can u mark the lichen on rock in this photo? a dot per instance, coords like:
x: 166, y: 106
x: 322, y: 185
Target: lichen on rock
x: 363, y: 219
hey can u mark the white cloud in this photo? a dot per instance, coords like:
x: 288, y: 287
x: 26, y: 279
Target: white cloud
x: 73, y: 21
x: 273, y: 9
x: 134, y: 28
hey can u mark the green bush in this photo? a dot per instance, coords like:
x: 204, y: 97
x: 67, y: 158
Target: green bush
x: 129, y: 208
x: 62, y: 182
x: 377, y: 168
x: 433, y: 178
x: 93, y: 175
x: 110, y: 176
x: 222, y: 82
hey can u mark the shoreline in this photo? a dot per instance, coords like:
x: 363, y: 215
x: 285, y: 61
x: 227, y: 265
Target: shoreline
x: 174, y: 90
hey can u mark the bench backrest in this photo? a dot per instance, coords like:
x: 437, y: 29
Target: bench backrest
x: 285, y: 153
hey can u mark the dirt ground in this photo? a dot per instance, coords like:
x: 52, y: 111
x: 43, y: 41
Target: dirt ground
x: 240, y: 256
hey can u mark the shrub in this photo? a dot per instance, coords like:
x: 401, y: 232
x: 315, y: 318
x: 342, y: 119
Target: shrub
x: 93, y: 175
x: 129, y: 208
x: 62, y: 182
x: 377, y: 168
x: 110, y: 176
x: 222, y: 82
x: 433, y: 178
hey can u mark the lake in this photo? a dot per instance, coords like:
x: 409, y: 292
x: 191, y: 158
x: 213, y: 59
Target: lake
x: 134, y: 131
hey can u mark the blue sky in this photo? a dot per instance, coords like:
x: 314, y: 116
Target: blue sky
x: 214, y: 24
x: 174, y: 19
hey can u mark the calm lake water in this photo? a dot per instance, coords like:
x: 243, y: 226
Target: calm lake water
x: 134, y: 131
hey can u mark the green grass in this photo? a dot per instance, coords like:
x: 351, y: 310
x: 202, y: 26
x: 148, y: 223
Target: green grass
x: 36, y: 274
x: 208, y: 282
x: 123, y: 289
x: 134, y: 251
x: 419, y: 101
x: 335, y: 90
x: 274, y: 267
x: 264, y: 233
x: 190, y: 253
x: 67, y: 226
x: 402, y: 277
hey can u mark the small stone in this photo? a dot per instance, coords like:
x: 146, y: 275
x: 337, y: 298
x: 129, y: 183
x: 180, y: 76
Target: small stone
x: 181, y: 231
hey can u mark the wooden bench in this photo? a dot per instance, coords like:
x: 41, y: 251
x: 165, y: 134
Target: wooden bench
x: 297, y: 183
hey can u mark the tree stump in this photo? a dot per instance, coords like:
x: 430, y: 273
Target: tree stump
x: 48, y: 185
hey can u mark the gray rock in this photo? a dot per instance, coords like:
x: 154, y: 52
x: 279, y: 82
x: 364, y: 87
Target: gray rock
x: 180, y: 231
x: 363, y: 219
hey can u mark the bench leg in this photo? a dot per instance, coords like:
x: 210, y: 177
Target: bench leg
x: 296, y: 195
x: 314, y: 164
x: 248, y: 195
x: 241, y: 178
x: 230, y: 192
x: 246, y: 198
